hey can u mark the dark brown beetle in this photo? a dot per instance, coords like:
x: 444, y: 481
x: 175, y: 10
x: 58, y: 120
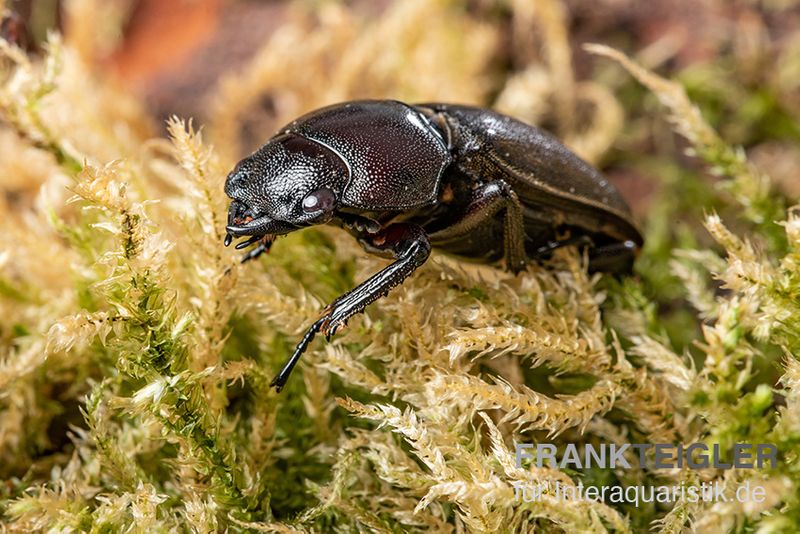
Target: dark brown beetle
x: 403, y: 179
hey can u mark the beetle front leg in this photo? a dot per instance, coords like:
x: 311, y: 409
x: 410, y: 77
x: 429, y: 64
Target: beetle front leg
x: 263, y: 244
x: 487, y: 201
x: 408, y: 243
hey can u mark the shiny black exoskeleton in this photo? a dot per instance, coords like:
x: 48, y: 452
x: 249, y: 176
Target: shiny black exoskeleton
x: 404, y: 178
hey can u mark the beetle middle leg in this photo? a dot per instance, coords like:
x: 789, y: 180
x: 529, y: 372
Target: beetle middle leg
x: 406, y: 242
x: 487, y: 201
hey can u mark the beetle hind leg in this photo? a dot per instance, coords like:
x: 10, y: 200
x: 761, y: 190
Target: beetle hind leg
x: 612, y: 257
x: 578, y: 241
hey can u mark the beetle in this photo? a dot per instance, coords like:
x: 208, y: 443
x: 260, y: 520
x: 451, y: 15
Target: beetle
x: 405, y: 178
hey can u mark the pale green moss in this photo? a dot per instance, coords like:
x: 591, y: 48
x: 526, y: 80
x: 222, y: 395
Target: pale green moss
x: 137, y: 351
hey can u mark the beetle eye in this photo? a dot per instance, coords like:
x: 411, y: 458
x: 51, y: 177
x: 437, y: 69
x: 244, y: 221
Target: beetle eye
x: 319, y: 200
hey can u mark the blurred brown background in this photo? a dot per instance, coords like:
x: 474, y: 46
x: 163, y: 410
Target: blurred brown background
x: 174, y: 53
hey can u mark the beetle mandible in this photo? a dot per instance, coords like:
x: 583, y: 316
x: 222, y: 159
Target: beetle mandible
x: 404, y: 178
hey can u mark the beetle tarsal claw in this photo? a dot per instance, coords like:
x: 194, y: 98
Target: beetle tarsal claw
x: 331, y: 330
x: 330, y: 326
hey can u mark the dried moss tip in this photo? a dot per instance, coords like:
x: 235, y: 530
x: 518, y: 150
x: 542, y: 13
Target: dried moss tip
x: 136, y: 351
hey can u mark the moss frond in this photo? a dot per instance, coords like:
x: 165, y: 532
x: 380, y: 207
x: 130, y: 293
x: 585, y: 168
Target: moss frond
x: 136, y: 351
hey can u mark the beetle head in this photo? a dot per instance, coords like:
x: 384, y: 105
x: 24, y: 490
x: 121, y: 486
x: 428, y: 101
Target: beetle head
x: 289, y: 183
